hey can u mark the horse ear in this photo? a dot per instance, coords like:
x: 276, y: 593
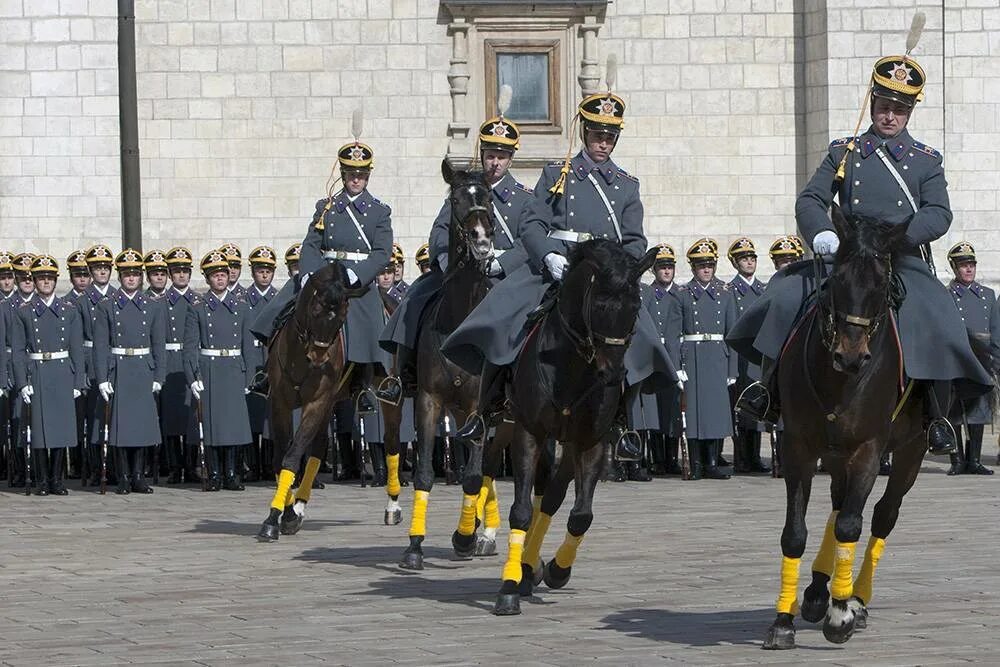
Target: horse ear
x: 644, y: 264
x: 840, y: 223
x: 447, y: 171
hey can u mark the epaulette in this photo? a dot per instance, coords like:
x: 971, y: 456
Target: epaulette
x: 69, y: 303
x: 624, y: 173
x: 524, y: 187
x: 26, y: 303
x: 321, y: 208
x: 382, y: 204
x: 924, y: 148
x: 843, y: 141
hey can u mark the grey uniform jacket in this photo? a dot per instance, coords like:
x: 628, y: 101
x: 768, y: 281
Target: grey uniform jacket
x: 708, y: 310
x: 257, y: 404
x: 495, y: 329
x: 977, y: 305
x: 57, y: 328
x: 94, y: 403
x: 667, y: 312
x: 336, y: 231
x: 213, y: 326
x: 745, y: 295
x: 177, y: 416
x: 934, y: 340
x: 131, y: 324
x: 514, y: 204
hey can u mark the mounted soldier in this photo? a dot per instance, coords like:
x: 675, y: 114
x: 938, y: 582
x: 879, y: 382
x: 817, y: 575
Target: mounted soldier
x: 511, y: 203
x: 883, y: 174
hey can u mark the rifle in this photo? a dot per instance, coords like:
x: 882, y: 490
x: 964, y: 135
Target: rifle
x: 202, y: 467
x: 682, y: 440
x: 105, y: 441
x: 449, y: 476
x: 775, y: 463
x: 361, y: 442
x: 27, y: 450
x: 9, y: 444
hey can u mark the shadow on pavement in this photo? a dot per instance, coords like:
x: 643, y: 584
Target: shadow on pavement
x: 218, y: 527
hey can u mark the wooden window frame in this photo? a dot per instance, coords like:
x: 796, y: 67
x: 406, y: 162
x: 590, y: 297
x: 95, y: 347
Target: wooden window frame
x: 549, y: 47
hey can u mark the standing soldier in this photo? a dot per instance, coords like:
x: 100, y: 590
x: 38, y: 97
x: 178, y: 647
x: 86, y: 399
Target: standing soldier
x: 786, y: 250
x: 6, y: 290
x: 234, y: 258
x: 977, y: 304
x: 709, y: 365
x: 79, y: 274
x: 217, y: 345
x: 79, y: 278
x: 155, y: 263
x: 47, y: 351
x: 178, y: 424
x: 398, y: 261
x: 6, y: 275
x: 745, y: 289
x: 23, y: 293
x: 423, y: 258
x: 292, y: 256
x: 130, y: 364
x: 258, y: 452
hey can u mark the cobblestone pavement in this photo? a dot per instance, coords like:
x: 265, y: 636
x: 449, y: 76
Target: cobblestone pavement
x: 670, y: 572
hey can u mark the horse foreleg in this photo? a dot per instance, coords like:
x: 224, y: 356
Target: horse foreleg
x: 549, y: 494
x: 524, y: 453
x: 392, y: 415
x: 295, y: 509
x: 281, y: 429
x: 487, y: 505
x: 799, y: 469
x: 463, y: 540
x: 423, y: 479
x: 587, y: 470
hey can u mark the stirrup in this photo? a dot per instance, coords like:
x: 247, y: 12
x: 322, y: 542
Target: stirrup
x: 368, y: 409
x: 748, y: 400
x: 951, y: 446
x: 260, y: 384
x: 474, y: 428
x: 628, y: 447
x: 384, y: 392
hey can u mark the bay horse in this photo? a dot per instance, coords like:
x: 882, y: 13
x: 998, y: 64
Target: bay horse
x: 307, y: 369
x: 566, y: 385
x: 441, y: 384
x: 844, y: 399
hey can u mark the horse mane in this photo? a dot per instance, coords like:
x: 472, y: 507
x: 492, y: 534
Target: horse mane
x: 862, y: 250
x: 612, y: 268
x: 331, y: 281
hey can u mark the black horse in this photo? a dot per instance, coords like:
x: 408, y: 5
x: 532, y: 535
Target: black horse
x: 844, y: 399
x: 442, y: 385
x: 307, y: 368
x: 566, y: 385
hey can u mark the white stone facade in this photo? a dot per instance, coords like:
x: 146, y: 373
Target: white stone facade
x: 243, y: 103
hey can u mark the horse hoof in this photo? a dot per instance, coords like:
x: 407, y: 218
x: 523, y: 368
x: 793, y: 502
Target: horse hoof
x: 485, y: 546
x: 394, y: 517
x: 538, y: 576
x: 412, y: 561
x: 508, y: 604
x: 291, y: 521
x: 860, y: 613
x: 267, y: 533
x: 527, y: 584
x: 464, y: 545
x: 555, y: 576
x: 838, y: 627
x: 814, y: 606
x: 779, y: 638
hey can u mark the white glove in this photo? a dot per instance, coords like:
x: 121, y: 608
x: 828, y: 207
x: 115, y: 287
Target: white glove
x: 730, y: 382
x: 303, y: 277
x: 26, y: 392
x: 682, y: 375
x: 246, y: 391
x: 556, y: 264
x: 826, y: 243
x: 494, y: 269
x: 352, y: 276
x: 443, y: 261
x: 3, y: 392
x: 196, y: 388
x: 106, y: 390
x: 77, y: 393
x: 157, y: 387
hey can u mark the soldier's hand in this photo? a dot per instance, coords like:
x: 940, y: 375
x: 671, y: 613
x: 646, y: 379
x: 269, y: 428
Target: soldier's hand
x: 682, y: 376
x: 26, y: 392
x: 494, y: 269
x: 106, y: 390
x: 826, y: 243
x: 3, y: 392
x: 556, y: 264
x: 157, y: 387
x: 352, y: 276
x: 196, y: 388
x: 730, y: 382
x: 77, y: 393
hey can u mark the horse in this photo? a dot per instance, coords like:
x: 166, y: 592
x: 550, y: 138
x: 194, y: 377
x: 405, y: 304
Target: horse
x: 307, y: 368
x: 566, y: 385
x: 844, y: 399
x: 441, y: 384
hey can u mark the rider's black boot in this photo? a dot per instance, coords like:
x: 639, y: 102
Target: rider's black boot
x: 759, y: 401
x: 396, y: 387
x: 491, y: 385
x: 940, y: 435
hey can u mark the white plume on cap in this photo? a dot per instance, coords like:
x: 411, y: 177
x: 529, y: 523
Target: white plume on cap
x: 611, y: 71
x: 357, y: 123
x: 916, y: 28
x: 504, y: 99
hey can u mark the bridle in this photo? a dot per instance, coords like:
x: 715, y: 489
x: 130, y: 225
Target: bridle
x: 458, y: 224
x: 586, y: 343
x: 829, y: 316
x: 305, y: 334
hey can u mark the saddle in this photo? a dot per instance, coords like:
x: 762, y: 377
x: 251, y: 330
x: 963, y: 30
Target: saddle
x: 549, y: 300
x: 288, y: 310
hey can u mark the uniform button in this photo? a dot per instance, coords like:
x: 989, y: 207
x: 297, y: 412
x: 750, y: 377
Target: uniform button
x: 857, y: 164
x: 572, y: 196
x: 855, y: 201
x: 857, y: 182
x: 571, y: 213
x: 911, y: 154
x: 906, y: 166
x: 899, y: 202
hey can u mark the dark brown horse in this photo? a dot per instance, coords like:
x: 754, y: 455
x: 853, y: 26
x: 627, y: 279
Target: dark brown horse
x: 566, y: 385
x: 442, y: 385
x: 307, y: 369
x: 841, y: 381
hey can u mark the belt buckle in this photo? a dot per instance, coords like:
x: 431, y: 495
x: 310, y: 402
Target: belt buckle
x: 340, y: 254
x: 584, y: 236
x: 46, y: 356
x: 227, y: 353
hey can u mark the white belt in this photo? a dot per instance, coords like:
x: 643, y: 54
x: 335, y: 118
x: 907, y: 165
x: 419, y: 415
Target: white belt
x: 175, y: 347
x: 701, y: 338
x: 570, y: 235
x: 130, y: 351
x: 223, y: 352
x: 344, y: 254
x: 47, y: 356
x: 88, y: 343
x: 497, y: 252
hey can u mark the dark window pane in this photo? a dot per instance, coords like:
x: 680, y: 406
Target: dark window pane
x: 528, y: 75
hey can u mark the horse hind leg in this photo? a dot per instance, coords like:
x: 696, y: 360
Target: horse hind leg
x: 816, y: 597
x: 486, y: 543
x: 463, y: 540
x: 423, y: 480
x: 393, y: 512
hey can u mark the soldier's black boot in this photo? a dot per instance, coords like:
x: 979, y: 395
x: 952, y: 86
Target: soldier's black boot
x: 657, y: 453
x: 139, y: 484
x: 628, y: 443
x: 756, y: 464
x: 361, y: 384
x: 379, y: 472
x: 348, y: 467
x: 672, y: 446
x: 488, y: 412
x: 974, y: 465
x: 123, y: 488
x: 232, y: 480
x: 172, y: 452
x: 694, y: 458
x: 712, y: 471
x: 940, y: 435
x: 637, y: 472
x: 759, y: 400
x: 57, y: 484
x: 213, y: 465
x: 260, y: 383
x: 40, y: 470
x: 16, y: 476
x: 960, y: 456
x: 741, y: 450
x: 395, y: 387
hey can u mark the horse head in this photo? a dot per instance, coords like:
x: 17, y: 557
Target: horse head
x: 599, y: 301
x: 855, y: 303
x: 471, y: 226
x: 326, y: 298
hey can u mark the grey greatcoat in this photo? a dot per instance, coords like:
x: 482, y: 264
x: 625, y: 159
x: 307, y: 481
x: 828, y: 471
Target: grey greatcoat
x: 38, y: 329
x: 337, y: 232
x: 92, y: 296
x: 495, y: 329
x: 666, y: 311
x: 177, y: 415
x: 123, y: 328
x: 257, y: 404
x: 977, y: 305
x: 935, y: 342
x: 217, y: 327
x: 708, y: 311
x: 513, y: 204
x: 14, y: 406
x: 744, y: 296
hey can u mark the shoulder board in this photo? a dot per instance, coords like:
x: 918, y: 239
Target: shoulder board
x: 843, y: 141
x: 521, y: 186
x: 26, y: 304
x: 381, y: 203
x: 320, y: 206
x: 624, y: 173
x: 68, y: 303
x: 927, y: 150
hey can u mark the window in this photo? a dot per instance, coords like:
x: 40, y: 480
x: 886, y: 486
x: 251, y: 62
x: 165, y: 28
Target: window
x: 532, y: 69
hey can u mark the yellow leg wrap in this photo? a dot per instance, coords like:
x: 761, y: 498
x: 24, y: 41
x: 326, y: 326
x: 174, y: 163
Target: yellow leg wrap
x: 392, y: 486
x: 536, y: 535
x: 492, y: 509
x: 515, y: 548
x: 824, y: 559
x: 304, y: 491
x: 788, y: 597
x: 566, y: 553
x: 842, y: 584
x: 863, y: 585
x: 283, y: 493
x: 467, y: 521
x: 484, y: 492
x: 418, y: 524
